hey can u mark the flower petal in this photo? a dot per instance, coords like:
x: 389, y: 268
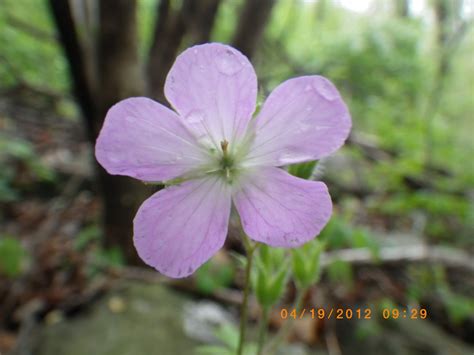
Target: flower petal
x: 303, y: 119
x: 145, y: 140
x: 279, y: 209
x: 214, y: 88
x: 179, y: 228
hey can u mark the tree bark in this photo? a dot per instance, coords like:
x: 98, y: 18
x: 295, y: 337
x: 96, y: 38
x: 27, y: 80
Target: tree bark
x: 120, y: 76
x: 253, y: 19
x: 119, y: 65
x: 203, y: 21
x: 81, y: 83
x: 116, y: 61
x: 170, y: 29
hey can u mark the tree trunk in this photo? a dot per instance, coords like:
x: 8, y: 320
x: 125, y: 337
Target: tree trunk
x: 169, y: 31
x: 78, y: 64
x: 203, y: 21
x: 120, y: 76
x: 119, y: 66
x: 253, y: 18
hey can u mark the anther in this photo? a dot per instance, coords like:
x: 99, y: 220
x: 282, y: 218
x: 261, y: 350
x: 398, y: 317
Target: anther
x: 224, y: 145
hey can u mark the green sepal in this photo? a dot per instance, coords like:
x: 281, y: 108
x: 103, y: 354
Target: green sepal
x: 270, y: 275
x: 306, y: 263
x: 303, y: 170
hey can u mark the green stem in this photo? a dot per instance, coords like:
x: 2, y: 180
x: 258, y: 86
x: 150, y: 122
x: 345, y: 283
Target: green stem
x: 262, y: 332
x: 243, y: 314
x: 286, y: 327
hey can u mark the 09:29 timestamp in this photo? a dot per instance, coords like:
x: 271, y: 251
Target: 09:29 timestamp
x: 404, y: 313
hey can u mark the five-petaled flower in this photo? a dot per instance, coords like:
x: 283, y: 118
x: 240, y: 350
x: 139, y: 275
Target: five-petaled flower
x: 212, y: 153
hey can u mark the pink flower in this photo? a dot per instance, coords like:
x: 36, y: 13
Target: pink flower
x: 213, y: 153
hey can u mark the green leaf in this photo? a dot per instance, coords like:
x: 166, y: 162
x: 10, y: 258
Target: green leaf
x: 86, y: 236
x: 12, y: 257
x: 341, y: 271
x: 213, y: 275
x: 303, y: 170
x: 278, y: 286
x: 229, y: 335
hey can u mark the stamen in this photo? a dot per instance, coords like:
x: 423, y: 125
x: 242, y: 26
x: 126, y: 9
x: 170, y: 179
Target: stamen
x: 224, y: 146
x: 227, y: 161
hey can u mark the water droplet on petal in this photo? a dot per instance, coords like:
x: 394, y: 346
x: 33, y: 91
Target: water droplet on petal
x: 304, y: 127
x: 115, y: 159
x: 228, y: 63
x: 197, y: 126
x: 325, y: 89
x: 290, y: 157
x: 286, y: 158
x: 148, y: 256
x: 195, y: 116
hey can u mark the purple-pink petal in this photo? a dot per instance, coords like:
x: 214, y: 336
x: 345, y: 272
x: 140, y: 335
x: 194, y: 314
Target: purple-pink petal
x: 214, y: 88
x: 281, y: 210
x: 303, y: 119
x: 179, y: 228
x: 145, y: 140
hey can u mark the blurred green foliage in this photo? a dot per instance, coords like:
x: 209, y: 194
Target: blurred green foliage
x: 228, y: 336
x: 89, y: 242
x: 16, y: 154
x: 29, y: 49
x: 214, y: 275
x: 340, y: 273
x: 86, y: 236
x: 426, y: 281
x: 340, y: 233
x: 386, y: 69
x: 13, y: 256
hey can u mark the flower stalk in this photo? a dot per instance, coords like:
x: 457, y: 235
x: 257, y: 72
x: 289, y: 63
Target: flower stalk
x: 286, y: 327
x: 250, y: 249
x: 262, y: 332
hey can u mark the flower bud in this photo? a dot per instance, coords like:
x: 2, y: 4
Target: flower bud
x: 305, y: 263
x: 270, y: 275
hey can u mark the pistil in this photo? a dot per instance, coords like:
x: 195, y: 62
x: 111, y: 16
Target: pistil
x: 227, y: 161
